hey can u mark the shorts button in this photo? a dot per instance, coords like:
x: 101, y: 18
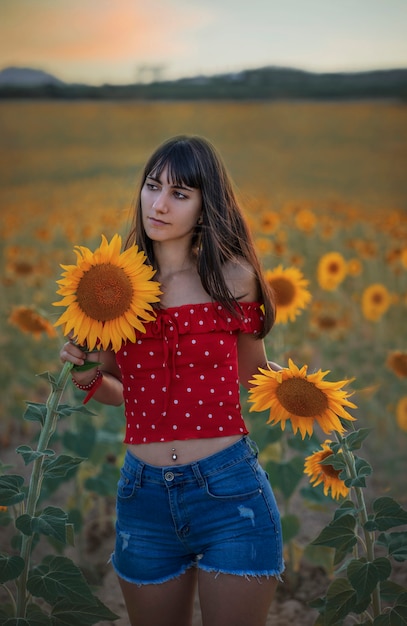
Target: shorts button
x: 169, y: 476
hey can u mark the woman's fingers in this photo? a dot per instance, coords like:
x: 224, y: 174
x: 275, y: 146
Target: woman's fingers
x: 70, y: 352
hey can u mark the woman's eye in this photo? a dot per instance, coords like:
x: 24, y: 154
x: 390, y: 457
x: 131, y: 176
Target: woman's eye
x: 179, y: 195
x: 151, y: 186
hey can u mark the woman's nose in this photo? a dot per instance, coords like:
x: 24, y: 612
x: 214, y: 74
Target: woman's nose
x: 159, y: 203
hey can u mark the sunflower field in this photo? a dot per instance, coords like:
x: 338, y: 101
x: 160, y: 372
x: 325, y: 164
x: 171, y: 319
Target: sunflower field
x: 324, y: 189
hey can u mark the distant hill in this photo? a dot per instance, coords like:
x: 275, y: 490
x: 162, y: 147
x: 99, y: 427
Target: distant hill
x: 27, y: 77
x: 270, y: 83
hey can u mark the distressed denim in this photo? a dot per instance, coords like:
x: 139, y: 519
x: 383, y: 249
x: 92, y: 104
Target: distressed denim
x: 218, y: 514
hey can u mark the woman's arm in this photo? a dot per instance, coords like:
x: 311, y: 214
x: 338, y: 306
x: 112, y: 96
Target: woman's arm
x: 111, y: 389
x: 251, y: 356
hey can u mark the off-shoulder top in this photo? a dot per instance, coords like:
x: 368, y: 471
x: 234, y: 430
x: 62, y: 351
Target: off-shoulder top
x: 180, y: 378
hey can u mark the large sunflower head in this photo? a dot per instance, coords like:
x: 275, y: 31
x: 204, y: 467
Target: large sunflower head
x: 290, y: 290
x: 107, y: 295
x: 324, y: 473
x: 303, y: 399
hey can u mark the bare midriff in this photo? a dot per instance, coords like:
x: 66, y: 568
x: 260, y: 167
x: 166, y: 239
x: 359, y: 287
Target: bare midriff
x: 164, y: 453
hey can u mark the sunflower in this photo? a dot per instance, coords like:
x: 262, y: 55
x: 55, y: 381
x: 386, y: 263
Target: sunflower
x: 331, y: 271
x: 31, y: 322
x: 397, y: 362
x: 289, y: 286
x: 376, y: 299
x: 305, y: 220
x: 292, y: 394
x: 108, y: 295
x: 401, y: 413
x: 269, y: 222
x: 326, y: 474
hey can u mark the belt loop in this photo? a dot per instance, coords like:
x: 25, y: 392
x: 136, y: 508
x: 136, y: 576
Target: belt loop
x: 198, y: 474
x: 139, y: 472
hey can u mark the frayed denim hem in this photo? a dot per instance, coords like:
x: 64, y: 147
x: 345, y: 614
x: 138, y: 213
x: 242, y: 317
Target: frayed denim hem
x: 158, y: 581
x: 245, y: 574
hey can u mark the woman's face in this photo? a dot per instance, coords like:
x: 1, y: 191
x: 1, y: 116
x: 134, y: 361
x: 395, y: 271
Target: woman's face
x: 169, y: 212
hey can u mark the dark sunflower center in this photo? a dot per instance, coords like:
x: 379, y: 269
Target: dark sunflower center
x: 104, y: 292
x: 327, y: 323
x: 301, y: 397
x: 377, y: 298
x: 284, y: 291
x: 333, y: 268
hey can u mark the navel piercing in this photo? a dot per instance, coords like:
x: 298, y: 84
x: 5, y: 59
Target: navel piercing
x: 174, y: 455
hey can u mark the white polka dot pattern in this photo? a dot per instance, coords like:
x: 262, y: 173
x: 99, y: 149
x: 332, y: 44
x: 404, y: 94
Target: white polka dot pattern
x: 180, y: 378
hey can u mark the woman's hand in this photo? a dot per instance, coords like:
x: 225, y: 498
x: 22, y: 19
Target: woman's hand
x: 72, y: 353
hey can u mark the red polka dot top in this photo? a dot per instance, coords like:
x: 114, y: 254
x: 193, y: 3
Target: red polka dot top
x: 180, y: 378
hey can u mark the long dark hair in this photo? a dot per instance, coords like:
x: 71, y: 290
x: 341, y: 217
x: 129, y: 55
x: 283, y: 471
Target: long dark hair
x: 223, y: 234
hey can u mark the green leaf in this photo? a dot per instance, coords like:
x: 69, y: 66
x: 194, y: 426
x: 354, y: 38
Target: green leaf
x: 396, y: 544
x: 88, y: 365
x: 290, y: 526
x: 65, y: 410
x: 58, y: 577
x: 66, y: 614
x: 10, y: 567
x: 50, y: 378
x: 10, y: 492
x: 340, y: 600
x: 64, y: 463
x: 390, y: 591
x: 37, y: 617
x: 35, y: 412
x: 364, y: 576
x: 347, y: 508
x: 387, y: 514
x: 287, y: 475
x: 30, y: 455
x: 15, y: 621
x: 339, y: 534
x: 51, y: 522
x: 363, y: 469
x: 335, y: 460
x: 354, y: 440
x: 396, y: 616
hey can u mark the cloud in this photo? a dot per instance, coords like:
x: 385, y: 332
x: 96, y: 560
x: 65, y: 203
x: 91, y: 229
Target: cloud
x: 97, y: 30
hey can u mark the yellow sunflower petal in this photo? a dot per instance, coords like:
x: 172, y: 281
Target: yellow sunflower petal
x: 107, y: 294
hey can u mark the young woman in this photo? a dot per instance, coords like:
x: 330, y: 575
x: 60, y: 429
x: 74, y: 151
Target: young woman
x: 193, y: 505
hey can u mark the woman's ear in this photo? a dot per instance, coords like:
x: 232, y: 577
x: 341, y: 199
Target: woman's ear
x: 200, y: 220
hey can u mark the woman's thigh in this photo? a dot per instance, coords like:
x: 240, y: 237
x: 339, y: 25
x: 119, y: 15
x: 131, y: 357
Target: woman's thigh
x: 164, y: 604
x: 229, y: 600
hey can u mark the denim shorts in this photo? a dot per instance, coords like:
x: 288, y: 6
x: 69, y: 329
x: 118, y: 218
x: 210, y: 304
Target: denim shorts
x: 218, y: 514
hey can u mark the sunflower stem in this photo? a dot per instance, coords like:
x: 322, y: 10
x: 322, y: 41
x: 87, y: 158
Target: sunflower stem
x: 36, y: 478
x: 363, y: 517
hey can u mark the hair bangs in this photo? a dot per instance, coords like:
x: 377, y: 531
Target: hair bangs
x: 181, y: 164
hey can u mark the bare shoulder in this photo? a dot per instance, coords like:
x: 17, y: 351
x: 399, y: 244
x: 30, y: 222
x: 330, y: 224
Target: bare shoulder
x: 241, y: 279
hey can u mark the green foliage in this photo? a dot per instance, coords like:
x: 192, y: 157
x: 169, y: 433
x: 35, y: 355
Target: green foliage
x: 366, y: 593
x: 57, y: 581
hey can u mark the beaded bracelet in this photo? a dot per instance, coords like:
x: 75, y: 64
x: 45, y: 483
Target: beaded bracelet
x: 90, y: 387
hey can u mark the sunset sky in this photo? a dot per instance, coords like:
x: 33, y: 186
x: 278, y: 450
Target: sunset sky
x: 124, y: 41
